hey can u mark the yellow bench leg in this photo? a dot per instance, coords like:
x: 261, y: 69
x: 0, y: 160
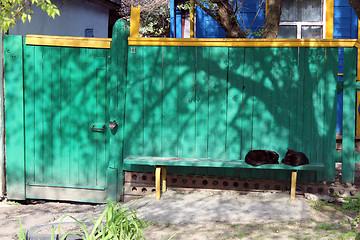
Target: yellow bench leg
x: 293, y: 185
x: 157, y: 182
x: 163, y: 178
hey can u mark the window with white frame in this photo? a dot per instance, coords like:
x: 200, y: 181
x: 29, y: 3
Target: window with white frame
x: 302, y: 19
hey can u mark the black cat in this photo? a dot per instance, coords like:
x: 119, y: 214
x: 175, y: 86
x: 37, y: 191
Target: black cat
x: 260, y: 157
x: 294, y: 158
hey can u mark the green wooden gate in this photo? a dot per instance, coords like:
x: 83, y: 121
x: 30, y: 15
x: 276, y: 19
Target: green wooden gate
x: 57, y: 121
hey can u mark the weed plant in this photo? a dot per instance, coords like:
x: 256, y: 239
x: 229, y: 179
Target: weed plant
x: 116, y: 222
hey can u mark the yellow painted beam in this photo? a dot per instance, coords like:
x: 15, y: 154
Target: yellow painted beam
x: 329, y: 30
x: 85, y: 42
x: 293, y: 185
x: 192, y: 22
x: 135, y: 21
x: 266, y: 7
x: 163, y: 178
x: 157, y: 182
x: 226, y: 42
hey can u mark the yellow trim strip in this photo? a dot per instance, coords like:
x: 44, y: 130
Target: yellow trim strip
x: 134, y: 21
x: 41, y: 40
x: 192, y: 22
x: 266, y: 7
x: 340, y: 74
x: 219, y: 42
x: 329, y: 34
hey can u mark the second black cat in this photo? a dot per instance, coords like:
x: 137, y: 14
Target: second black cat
x: 260, y: 157
x: 294, y: 158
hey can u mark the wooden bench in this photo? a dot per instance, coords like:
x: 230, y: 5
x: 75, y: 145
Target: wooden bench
x: 160, y: 164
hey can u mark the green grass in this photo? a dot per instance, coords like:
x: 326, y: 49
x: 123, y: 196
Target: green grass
x: 12, y: 203
x: 325, y: 226
x: 347, y: 235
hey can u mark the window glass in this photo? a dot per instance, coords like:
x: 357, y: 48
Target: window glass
x: 309, y: 32
x: 287, y: 32
x: 301, y: 10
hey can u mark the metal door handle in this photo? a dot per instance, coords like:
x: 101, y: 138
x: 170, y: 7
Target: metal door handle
x: 94, y: 128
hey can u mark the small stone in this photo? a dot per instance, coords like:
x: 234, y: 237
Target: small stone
x: 318, y: 197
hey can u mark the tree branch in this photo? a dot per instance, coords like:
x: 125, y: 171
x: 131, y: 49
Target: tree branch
x: 208, y: 11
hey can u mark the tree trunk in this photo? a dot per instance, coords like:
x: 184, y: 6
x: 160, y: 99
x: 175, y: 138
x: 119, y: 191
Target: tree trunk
x: 225, y: 17
x: 355, y: 4
x: 273, y: 19
x: 229, y: 21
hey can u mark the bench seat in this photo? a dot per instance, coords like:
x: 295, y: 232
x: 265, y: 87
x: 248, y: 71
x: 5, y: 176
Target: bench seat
x: 160, y: 164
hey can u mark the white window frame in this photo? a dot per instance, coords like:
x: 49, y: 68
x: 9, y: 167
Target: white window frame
x: 299, y: 25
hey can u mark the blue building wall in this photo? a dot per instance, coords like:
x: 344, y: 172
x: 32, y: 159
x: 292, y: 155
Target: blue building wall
x: 253, y: 19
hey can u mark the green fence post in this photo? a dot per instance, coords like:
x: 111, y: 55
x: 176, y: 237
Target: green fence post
x: 349, y: 103
x: 116, y: 90
x: 14, y: 117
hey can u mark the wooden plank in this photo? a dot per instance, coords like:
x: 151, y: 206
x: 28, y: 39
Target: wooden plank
x: 101, y: 163
x: 117, y: 89
x: 153, y: 85
x: 330, y: 104
x: 206, y: 162
x: 95, y: 137
x: 295, y: 140
x: 348, y: 152
x: 293, y: 185
x: 170, y: 107
x: 310, y: 97
x: 14, y: 118
x: 134, y: 119
x: 329, y: 20
x: 217, y: 102
x: 319, y: 114
x: 280, y: 108
x: 308, y: 102
x: 163, y: 179
x: 135, y: 21
x: 186, y: 129
x: 300, y: 99
x: 65, y: 115
x: 82, y: 42
x: 259, y: 111
x: 157, y: 182
x: 259, y: 107
x: 29, y: 108
x: 247, y: 106
x: 263, y: 110
x: 47, y: 116
x: 56, y: 97
x: 202, y: 101
x: 75, y: 106
x: 66, y: 194
x: 39, y: 115
x: 235, y: 103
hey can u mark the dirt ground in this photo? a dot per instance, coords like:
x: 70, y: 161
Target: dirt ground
x: 318, y: 221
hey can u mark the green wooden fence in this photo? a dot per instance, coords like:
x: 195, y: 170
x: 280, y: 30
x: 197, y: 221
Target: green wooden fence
x: 220, y: 103
x: 175, y: 101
